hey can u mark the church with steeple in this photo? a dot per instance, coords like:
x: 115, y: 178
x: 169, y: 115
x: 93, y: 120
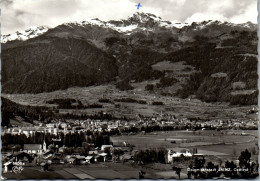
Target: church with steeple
x: 44, y: 146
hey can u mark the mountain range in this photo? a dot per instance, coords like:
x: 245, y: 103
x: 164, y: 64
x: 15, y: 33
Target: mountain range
x: 222, y: 55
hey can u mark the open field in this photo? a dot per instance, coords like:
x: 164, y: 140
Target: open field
x: 208, y: 142
x: 32, y: 173
x: 19, y: 123
x: 181, y: 108
x: 108, y: 170
x: 170, y: 174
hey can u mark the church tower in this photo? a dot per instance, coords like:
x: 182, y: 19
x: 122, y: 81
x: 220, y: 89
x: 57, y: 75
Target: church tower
x: 44, y: 145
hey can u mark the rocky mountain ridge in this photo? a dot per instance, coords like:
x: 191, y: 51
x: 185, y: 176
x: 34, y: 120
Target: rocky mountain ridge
x: 138, y: 21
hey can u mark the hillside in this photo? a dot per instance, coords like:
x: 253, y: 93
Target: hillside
x: 220, y: 57
x: 54, y: 63
x: 221, y: 71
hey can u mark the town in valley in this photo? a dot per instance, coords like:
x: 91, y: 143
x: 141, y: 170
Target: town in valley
x: 135, y: 98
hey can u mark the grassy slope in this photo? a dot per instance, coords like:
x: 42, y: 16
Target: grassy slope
x: 182, y: 108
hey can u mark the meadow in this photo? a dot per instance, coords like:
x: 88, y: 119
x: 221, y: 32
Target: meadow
x: 208, y: 142
x: 181, y: 108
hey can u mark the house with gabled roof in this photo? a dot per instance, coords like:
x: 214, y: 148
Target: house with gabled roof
x: 90, y: 159
x: 93, y: 153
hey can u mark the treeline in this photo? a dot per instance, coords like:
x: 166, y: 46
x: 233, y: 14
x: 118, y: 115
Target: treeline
x: 154, y: 127
x: 130, y: 100
x: 150, y: 156
x: 143, y: 73
x: 157, y: 103
x: 67, y: 103
x: 147, y: 73
x: 76, y: 139
x: 166, y: 82
x: 249, y: 168
x: 105, y: 100
x: 250, y: 99
x: 98, y: 116
x: 72, y: 104
x: 124, y: 85
x: 11, y: 109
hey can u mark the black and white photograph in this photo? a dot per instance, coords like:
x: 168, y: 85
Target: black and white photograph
x: 129, y: 89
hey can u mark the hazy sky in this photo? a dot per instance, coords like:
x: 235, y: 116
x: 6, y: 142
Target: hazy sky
x: 21, y: 14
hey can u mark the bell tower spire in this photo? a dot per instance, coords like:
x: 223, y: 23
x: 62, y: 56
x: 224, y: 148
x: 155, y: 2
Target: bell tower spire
x: 44, y: 146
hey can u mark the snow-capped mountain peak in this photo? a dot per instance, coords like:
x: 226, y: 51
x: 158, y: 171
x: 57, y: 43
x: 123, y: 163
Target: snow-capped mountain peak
x: 135, y: 22
x: 144, y: 21
x: 31, y: 32
x: 143, y: 17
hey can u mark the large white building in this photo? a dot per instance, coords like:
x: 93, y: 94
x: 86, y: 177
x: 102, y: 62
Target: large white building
x: 172, y: 155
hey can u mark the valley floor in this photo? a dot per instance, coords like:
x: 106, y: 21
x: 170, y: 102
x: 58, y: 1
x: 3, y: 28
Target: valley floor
x: 181, y: 108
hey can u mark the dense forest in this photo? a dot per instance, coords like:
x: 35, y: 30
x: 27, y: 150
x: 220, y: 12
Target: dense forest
x: 43, y: 114
x: 233, y: 61
x: 11, y: 109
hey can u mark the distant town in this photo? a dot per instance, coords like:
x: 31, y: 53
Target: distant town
x: 73, y: 143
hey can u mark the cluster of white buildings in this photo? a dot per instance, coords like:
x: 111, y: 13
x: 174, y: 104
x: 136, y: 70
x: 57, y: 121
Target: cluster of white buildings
x: 174, y: 156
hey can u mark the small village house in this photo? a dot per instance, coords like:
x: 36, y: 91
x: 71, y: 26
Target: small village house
x: 90, y: 159
x: 103, y: 147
